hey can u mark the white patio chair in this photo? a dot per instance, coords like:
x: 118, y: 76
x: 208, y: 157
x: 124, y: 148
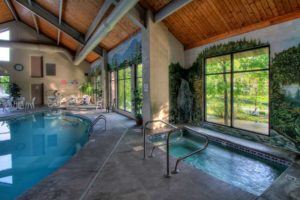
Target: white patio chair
x: 99, y: 104
x: 31, y: 103
x: 21, y: 103
x: 86, y: 99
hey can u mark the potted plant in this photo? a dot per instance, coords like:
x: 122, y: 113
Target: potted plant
x: 14, y: 90
x: 138, y: 107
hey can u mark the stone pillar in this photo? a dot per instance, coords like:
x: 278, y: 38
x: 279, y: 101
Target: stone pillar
x: 146, y: 70
x: 105, y: 80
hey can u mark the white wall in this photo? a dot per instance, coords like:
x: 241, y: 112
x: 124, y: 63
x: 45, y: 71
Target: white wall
x: 280, y: 37
x: 65, y: 70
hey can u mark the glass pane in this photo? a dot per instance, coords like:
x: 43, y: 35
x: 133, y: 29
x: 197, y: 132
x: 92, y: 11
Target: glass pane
x: 139, y: 71
x: 121, y: 94
x: 112, y: 76
x: 121, y: 74
x: 113, y: 91
x: 128, y: 95
x: 220, y: 64
x: 251, y: 60
x: 251, y: 109
x: 4, y: 86
x: 218, y: 98
x: 128, y: 72
x: 140, y: 85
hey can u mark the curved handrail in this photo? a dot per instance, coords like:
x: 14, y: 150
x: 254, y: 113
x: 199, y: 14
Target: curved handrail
x: 168, y: 151
x: 151, y: 122
x: 97, y: 119
x: 175, y: 171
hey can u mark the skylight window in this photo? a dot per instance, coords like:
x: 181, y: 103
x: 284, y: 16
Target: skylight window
x: 4, y: 52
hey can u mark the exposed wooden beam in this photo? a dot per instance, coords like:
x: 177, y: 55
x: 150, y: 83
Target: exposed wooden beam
x: 252, y: 27
x: 59, y: 20
x: 36, y: 24
x: 105, y: 6
x: 34, y: 20
x: 52, y: 19
x: 12, y: 9
x: 137, y: 16
x: 105, y: 27
x: 169, y: 9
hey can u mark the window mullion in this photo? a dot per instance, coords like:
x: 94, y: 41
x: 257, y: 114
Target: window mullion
x: 231, y: 90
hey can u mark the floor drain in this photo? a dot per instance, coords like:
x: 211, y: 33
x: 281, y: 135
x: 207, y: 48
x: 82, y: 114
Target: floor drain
x: 138, y: 148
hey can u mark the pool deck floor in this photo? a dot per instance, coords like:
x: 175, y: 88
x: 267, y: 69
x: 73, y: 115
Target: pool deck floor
x: 110, y: 166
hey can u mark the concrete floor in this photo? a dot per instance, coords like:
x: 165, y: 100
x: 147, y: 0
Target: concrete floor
x: 110, y: 167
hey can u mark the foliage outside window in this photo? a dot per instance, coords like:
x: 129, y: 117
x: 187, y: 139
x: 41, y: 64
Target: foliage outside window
x: 4, y: 51
x: 138, y: 92
x: 4, y: 86
x: 112, y: 87
x: 237, y: 90
x: 124, y: 89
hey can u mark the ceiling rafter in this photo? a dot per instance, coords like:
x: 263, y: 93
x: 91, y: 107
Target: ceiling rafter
x: 12, y: 9
x: 105, y: 27
x: 59, y: 20
x: 98, y: 18
x: 170, y: 8
x: 34, y: 19
x: 52, y: 19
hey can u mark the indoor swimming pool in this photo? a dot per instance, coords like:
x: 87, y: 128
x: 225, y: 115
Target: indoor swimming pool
x: 34, y: 146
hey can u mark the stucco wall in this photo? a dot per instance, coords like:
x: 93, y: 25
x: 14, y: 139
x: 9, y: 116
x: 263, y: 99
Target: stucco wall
x: 65, y: 70
x: 280, y: 36
x: 164, y: 49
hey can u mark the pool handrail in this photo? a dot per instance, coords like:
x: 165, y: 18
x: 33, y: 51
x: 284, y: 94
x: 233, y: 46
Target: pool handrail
x: 167, y: 175
x: 151, y: 122
x: 99, y: 118
x: 175, y: 171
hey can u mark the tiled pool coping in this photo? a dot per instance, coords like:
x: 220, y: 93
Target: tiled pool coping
x: 258, y: 149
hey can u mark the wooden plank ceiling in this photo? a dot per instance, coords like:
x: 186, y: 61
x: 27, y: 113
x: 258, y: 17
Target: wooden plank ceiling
x: 5, y: 14
x: 198, y: 23
x: 204, y: 21
x: 79, y: 15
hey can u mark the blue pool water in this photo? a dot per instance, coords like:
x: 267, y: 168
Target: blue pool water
x: 245, y: 171
x: 34, y: 146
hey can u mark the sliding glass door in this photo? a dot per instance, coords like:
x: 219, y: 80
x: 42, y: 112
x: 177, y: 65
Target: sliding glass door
x: 124, y: 89
x: 237, y: 90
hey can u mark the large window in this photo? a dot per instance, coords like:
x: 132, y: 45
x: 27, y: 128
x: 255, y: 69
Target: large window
x: 139, y: 78
x: 4, y: 86
x: 237, y: 90
x: 4, y: 52
x: 124, y: 89
x: 112, y: 88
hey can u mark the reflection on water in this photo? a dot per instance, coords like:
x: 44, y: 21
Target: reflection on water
x: 247, y: 172
x: 34, y: 146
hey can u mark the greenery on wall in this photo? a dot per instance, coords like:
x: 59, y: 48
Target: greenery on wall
x: 285, y: 93
x: 194, y: 76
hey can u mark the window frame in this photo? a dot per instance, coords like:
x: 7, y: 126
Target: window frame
x: 124, y: 86
x: 9, y: 54
x: 231, y: 73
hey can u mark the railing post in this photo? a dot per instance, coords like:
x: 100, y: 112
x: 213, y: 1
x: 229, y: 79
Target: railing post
x: 168, y: 155
x: 144, y: 138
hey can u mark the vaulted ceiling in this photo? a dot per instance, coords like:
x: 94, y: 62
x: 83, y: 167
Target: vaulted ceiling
x: 196, y: 23
x: 78, y: 14
x: 204, y: 21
